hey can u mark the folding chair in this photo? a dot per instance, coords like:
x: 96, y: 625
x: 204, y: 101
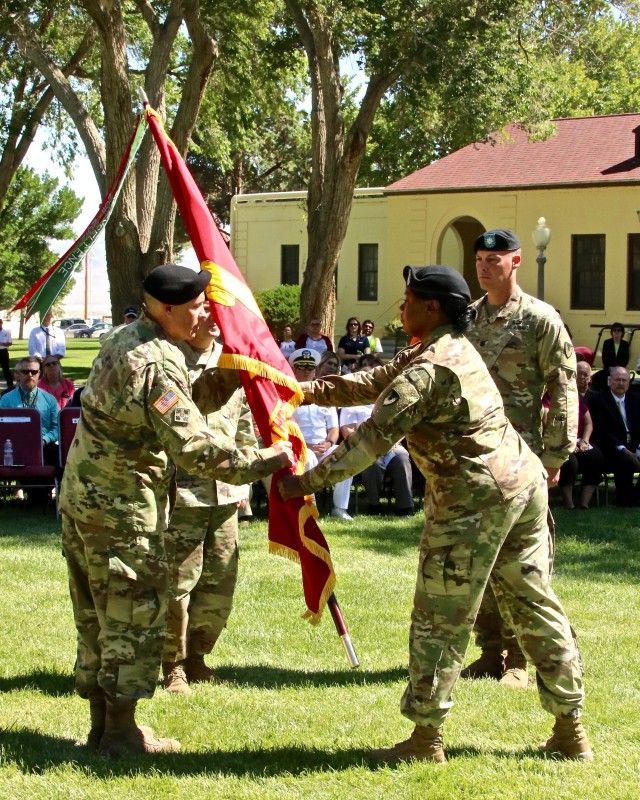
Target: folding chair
x: 23, y: 427
x: 68, y: 422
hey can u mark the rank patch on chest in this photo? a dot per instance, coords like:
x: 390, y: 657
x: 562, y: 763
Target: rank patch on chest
x: 518, y: 325
x: 167, y: 401
x: 181, y: 415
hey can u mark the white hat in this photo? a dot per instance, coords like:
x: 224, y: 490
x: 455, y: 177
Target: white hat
x: 304, y: 358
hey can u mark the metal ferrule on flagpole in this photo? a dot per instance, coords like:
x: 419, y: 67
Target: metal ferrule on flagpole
x: 343, y: 633
x: 143, y: 96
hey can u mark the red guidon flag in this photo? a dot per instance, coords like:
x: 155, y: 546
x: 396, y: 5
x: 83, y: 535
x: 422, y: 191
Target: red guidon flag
x: 271, y: 388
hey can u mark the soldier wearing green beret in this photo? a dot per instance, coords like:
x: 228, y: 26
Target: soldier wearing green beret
x: 485, y: 507
x: 137, y: 418
x: 525, y: 345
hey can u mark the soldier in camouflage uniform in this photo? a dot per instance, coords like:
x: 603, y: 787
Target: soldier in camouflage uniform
x: 137, y: 415
x: 202, y: 538
x: 485, y: 508
x: 525, y: 345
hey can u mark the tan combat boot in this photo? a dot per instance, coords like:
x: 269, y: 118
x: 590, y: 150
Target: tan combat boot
x: 98, y: 712
x: 424, y: 744
x: 122, y: 735
x: 197, y: 671
x: 175, y: 679
x: 569, y: 740
x: 489, y: 665
x: 515, y: 674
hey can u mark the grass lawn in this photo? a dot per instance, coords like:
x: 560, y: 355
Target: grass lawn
x: 76, y: 363
x: 291, y: 720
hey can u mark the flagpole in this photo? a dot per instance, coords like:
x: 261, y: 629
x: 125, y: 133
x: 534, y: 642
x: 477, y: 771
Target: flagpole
x: 343, y: 633
x: 208, y: 260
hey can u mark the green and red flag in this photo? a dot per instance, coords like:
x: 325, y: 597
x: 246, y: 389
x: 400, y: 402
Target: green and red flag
x: 45, y: 291
x: 271, y: 388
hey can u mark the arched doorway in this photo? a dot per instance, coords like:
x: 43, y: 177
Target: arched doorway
x: 456, y: 249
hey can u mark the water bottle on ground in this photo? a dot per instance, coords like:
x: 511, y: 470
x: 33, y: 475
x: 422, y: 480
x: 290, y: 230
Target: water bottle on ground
x: 8, y: 453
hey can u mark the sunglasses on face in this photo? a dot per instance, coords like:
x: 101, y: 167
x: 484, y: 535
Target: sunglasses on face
x: 353, y: 324
x: 304, y: 369
x: 29, y: 371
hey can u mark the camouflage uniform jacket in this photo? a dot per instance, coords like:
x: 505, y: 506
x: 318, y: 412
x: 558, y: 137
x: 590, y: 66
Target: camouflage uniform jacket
x: 437, y: 393
x: 527, y: 350
x: 137, y: 415
x: 233, y: 421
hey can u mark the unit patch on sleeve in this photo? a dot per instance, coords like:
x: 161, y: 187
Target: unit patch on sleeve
x: 181, y: 415
x: 167, y: 401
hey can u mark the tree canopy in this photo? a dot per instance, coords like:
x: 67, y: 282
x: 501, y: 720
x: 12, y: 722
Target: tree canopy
x: 36, y: 211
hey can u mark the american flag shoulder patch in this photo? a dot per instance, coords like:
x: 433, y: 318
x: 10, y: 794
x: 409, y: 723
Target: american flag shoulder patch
x: 167, y: 401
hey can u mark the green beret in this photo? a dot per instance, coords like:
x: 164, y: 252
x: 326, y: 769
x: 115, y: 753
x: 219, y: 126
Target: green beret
x: 436, y: 282
x: 174, y: 284
x: 497, y: 239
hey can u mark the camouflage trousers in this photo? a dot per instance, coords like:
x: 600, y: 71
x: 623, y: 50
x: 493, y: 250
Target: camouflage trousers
x: 491, y: 630
x: 202, y: 548
x: 508, y: 541
x: 118, y: 583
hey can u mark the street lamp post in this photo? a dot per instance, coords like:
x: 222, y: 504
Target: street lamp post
x: 541, y: 238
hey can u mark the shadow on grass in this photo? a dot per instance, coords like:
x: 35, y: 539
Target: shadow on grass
x: 263, y: 677
x: 57, y: 684
x: 53, y: 684
x: 37, y: 753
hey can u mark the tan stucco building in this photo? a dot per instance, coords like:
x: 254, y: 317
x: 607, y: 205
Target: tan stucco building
x: 584, y: 179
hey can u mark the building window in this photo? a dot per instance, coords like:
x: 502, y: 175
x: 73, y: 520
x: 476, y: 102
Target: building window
x: 367, y: 272
x: 290, y: 264
x: 633, y: 272
x: 587, y: 270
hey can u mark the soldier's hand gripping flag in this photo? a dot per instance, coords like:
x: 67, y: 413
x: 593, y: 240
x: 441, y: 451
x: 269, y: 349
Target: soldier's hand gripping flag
x: 271, y: 388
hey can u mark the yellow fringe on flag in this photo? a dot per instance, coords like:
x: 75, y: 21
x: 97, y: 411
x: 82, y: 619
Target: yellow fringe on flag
x: 236, y: 361
x: 150, y: 112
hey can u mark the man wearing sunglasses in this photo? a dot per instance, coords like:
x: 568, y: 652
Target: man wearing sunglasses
x: 27, y: 395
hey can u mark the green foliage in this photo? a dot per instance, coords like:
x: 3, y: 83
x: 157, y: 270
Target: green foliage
x: 290, y: 720
x: 35, y: 212
x: 280, y: 306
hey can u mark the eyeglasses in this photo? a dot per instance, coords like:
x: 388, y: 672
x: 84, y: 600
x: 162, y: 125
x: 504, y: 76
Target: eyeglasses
x: 304, y: 369
x: 29, y: 371
x: 353, y: 324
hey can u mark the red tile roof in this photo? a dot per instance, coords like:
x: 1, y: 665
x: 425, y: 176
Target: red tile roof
x: 583, y: 150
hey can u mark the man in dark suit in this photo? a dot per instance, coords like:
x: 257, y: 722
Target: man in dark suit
x: 616, y: 430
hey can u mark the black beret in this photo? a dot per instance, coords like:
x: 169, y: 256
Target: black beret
x: 436, y: 282
x: 174, y: 284
x: 497, y: 239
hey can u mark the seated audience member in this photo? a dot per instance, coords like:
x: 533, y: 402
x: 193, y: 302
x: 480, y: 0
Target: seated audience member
x: 319, y: 428
x: 47, y: 340
x: 374, y: 343
x: 287, y: 344
x: 615, y: 351
x: 5, y: 343
x: 583, y: 381
x: 314, y: 339
x: 54, y: 382
x: 27, y: 395
x: 130, y: 315
x: 329, y: 364
x: 586, y: 460
x: 396, y: 462
x: 353, y: 345
x: 616, y: 430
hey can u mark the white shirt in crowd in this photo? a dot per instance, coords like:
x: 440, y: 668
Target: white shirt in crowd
x: 38, y: 341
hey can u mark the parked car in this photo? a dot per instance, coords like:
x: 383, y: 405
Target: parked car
x: 67, y: 323
x: 72, y: 330
x: 94, y: 332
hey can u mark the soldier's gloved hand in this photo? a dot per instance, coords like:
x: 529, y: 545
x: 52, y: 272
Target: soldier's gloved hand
x: 285, y: 451
x: 289, y: 486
